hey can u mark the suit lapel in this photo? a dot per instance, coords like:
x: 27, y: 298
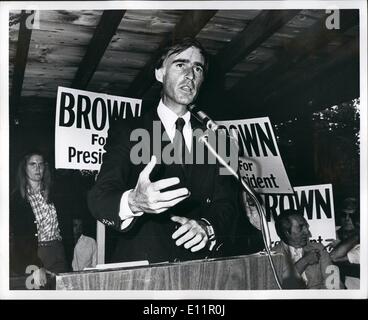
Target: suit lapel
x: 198, y: 172
x: 155, y: 129
x: 192, y: 172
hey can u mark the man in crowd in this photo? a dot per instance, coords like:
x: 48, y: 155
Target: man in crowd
x: 165, y: 211
x: 307, y: 264
x: 85, y: 249
x: 346, y: 249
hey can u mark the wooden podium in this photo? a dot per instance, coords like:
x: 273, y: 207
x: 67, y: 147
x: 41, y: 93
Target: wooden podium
x: 251, y: 272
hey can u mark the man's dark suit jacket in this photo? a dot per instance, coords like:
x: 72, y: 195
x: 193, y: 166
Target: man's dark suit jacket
x: 148, y: 237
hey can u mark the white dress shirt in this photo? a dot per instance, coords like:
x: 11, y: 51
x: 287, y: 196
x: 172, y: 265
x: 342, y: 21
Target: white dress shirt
x: 353, y: 257
x: 354, y: 254
x: 168, y: 119
x: 296, y: 255
x: 85, y: 253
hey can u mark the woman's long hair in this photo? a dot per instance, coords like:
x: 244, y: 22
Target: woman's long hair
x: 22, y: 179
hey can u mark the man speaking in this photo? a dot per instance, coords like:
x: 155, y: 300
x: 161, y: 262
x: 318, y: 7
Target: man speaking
x: 166, y: 211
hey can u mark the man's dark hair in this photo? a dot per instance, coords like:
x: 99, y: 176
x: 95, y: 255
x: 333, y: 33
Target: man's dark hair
x: 180, y: 46
x: 283, y: 223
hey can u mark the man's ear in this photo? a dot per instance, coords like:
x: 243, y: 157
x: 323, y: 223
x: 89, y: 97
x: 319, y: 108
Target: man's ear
x: 159, y: 73
x: 287, y: 234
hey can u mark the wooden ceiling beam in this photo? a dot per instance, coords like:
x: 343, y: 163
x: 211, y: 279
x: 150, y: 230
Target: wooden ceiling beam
x: 314, y: 94
x: 190, y: 24
x: 303, y: 73
x: 318, y: 87
x: 259, y: 30
x: 24, y: 39
x: 105, y: 30
x: 291, y: 56
x: 318, y: 93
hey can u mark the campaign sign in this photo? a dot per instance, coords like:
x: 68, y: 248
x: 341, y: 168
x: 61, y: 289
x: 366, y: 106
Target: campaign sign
x: 81, y: 125
x: 260, y: 163
x: 316, y: 203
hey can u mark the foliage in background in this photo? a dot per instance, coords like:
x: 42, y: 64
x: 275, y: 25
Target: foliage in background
x: 335, y: 139
x: 341, y: 121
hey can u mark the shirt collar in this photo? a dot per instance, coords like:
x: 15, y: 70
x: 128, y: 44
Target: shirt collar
x: 294, y: 250
x: 169, y: 117
x: 296, y: 253
x: 81, y: 238
x: 29, y: 192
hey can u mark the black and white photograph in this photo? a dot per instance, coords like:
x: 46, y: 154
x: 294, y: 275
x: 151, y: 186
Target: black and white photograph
x: 183, y: 150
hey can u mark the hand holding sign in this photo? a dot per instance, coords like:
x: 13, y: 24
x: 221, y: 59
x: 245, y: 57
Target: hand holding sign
x: 147, y: 195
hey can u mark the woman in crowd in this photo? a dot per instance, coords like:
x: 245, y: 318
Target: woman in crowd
x: 35, y: 237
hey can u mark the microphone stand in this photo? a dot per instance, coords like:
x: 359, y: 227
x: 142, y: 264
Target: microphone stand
x: 264, y: 227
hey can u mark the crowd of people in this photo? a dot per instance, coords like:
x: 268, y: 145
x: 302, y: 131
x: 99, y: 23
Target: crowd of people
x: 310, y: 265
x: 38, y: 234
x: 37, y: 239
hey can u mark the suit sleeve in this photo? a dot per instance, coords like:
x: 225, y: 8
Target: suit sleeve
x: 104, y: 197
x: 223, y: 210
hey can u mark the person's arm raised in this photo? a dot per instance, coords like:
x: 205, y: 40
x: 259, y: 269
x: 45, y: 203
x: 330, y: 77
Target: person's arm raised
x: 309, y: 258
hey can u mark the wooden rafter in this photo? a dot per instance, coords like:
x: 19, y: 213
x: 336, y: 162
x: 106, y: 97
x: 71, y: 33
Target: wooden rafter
x: 189, y: 25
x: 24, y: 39
x: 291, y: 57
x: 102, y: 36
x: 259, y: 30
x: 301, y: 102
x: 348, y: 52
x: 334, y: 82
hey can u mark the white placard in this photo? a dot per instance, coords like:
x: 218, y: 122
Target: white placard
x: 316, y: 202
x: 260, y: 163
x: 82, y: 122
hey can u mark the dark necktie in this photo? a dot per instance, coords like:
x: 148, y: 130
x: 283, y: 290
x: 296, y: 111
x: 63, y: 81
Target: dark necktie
x: 179, y: 142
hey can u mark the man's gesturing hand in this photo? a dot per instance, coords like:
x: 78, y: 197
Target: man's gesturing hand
x: 147, y: 195
x: 191, y: 233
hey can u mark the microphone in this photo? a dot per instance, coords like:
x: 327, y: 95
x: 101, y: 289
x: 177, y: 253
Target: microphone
x: 202, y: 117
x: 210, y: 124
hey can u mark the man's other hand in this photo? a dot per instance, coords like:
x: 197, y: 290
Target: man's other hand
x: 147, y: 195
x: 191, y: 233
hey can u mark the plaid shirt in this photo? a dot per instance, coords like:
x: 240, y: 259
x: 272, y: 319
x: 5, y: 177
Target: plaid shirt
x: 46, y: 218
